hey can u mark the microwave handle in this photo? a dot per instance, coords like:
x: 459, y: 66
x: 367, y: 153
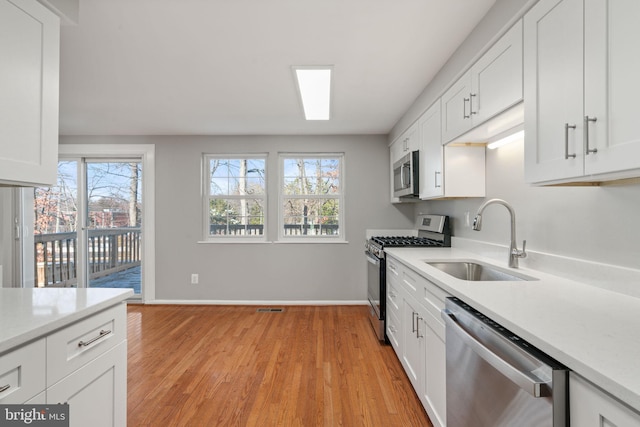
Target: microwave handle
x: 402, y: 184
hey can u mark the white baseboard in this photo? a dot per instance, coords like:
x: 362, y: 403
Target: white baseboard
x: 251, y: 302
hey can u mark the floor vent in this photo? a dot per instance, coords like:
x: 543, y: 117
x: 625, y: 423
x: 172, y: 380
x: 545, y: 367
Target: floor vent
x: 270, y: 310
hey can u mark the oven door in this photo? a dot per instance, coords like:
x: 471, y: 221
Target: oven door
x: 376, y: 293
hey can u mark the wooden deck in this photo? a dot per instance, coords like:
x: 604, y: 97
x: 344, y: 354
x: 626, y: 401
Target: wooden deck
x: 234, y: 366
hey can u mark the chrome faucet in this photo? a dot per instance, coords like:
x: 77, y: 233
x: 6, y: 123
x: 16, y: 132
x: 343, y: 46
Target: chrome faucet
x: 514, y: 252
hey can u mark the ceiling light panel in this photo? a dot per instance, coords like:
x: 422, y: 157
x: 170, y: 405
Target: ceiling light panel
x: 314, y: 87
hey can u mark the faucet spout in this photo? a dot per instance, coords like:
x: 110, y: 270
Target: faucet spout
x: 514, y: 252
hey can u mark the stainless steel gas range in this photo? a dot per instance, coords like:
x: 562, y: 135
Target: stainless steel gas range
x: 431, y: 231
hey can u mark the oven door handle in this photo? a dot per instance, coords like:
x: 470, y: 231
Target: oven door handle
x: 520, y: 378
x: 372, y: 259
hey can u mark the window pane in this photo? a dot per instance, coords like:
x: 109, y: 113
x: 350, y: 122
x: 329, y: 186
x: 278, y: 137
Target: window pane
x: 311, y: 176
x: 236, y: 217
x: 311, y: 217
x: 236, y: 176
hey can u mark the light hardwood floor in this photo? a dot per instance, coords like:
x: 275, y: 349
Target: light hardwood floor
x: 234, y: 366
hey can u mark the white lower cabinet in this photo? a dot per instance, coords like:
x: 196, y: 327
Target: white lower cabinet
x: 22, y: 373
x: 96, y: 393
x: 591, y: 407
x: 412, y: 343
x: 393, y: 316
x: 434, y: 392
x: 420, y: 345
x: 83, y: 364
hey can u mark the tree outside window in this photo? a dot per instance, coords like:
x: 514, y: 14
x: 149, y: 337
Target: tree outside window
x: 236, y: 196
x: 312, y: 196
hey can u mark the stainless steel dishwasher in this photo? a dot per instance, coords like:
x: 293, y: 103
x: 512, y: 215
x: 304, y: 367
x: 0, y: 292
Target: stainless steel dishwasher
x: 496, y: 379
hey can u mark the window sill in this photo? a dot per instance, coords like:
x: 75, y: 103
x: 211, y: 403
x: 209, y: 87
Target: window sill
x: 233, y: 241
x: 312, y: 241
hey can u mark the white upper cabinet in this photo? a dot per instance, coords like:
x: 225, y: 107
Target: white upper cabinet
x: 581, y: 88
x: 612, y: 67
x: 448, y: 171
x: 407, y: 142
x: 492, y: 85
x: 29, y: 70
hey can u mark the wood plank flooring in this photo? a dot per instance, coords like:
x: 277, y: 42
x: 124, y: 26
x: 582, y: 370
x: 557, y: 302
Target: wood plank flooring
x: 233, y: 366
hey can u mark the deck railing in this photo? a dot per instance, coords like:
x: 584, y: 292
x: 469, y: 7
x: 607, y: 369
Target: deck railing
x: 109, y: 250
x: 258, y: 229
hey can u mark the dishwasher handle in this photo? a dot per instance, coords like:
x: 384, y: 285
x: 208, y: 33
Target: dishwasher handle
x: 520, y: 378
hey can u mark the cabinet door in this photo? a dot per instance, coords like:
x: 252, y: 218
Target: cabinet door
x: 456, y: 113
x: 434, y: 395
x: 396, y: 150
x: 412, y: 353
x: 29, y: 62
x: 612, y: 88
x: 97, y: 392
x: 431, y: 176
x: 553, y: 87
x: 496, y: 79
x: 591, y: 407
x: 412, y: 138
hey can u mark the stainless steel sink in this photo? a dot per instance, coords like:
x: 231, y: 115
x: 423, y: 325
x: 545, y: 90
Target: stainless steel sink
x: 473, y: 271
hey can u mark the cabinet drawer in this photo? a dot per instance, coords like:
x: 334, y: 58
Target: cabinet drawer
x: 411, y: 281
x: 22, y: 373
x: 74, y: 346
x: 393, y: 299
x: 393, y: 331
x: 393, y: 270
x: 433, y: 300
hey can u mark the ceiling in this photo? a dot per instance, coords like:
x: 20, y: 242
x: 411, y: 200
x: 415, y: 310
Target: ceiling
x: 223, y: 67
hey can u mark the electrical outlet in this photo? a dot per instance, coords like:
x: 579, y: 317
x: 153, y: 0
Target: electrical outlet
x: 194, y: 279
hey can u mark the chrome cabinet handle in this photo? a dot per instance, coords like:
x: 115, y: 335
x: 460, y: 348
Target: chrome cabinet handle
x: 413, y: 321
x: 102, y: 334
x: 567, y: 126
x: 436, y: 179
x: 418, y: 328
x: 464, y: 108
x: 521, y: 379
x: 471, y: 95
x: 588, y: 119
x: 5, y: 388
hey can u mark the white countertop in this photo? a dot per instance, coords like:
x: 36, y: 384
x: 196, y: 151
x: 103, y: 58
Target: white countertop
x: 593, y: 331
x: 26, y: 314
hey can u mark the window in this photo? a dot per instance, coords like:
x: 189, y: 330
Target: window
x: 235, y: 196
x: 311, y: 196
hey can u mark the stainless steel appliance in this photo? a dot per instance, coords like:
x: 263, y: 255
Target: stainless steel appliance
x: 406, y: 175
x: 431, y: 231
x: 496, y: 379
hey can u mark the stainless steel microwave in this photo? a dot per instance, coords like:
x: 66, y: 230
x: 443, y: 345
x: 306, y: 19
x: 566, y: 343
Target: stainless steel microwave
x: 406, y: 175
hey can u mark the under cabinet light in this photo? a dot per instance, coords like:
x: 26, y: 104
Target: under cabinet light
x: 314, y: 87
x: 506, y: 140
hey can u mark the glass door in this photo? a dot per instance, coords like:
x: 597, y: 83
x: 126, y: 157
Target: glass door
x: 88, y: 227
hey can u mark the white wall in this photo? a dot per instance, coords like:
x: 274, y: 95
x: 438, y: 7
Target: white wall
x: 259, y: 272
x: 591, y: 223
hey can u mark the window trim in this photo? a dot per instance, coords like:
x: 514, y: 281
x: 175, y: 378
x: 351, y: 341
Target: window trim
x: 206, y: 197
x: 341, y: 237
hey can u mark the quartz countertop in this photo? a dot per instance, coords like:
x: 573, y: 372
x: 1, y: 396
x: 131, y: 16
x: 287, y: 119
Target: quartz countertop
x: 593, y: 331
x: 26, y: 314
